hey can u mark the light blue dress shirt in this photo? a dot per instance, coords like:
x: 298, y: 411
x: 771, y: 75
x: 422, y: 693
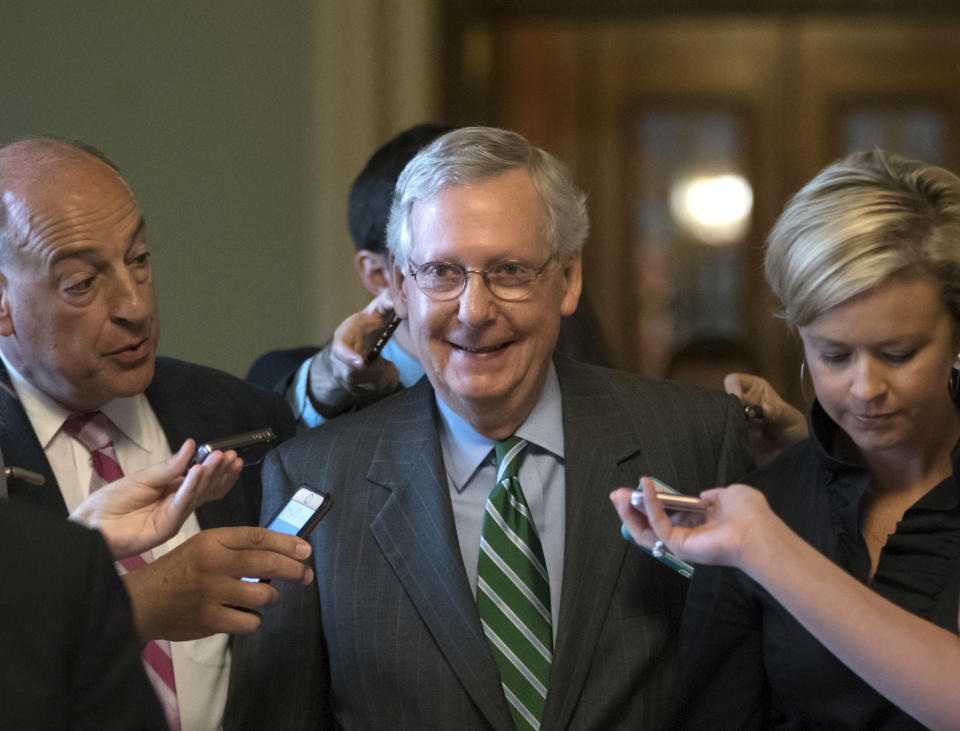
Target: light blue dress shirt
x: 471, y: 474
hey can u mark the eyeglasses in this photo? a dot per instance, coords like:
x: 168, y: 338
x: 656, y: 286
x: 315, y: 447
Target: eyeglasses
x: 508, y: 280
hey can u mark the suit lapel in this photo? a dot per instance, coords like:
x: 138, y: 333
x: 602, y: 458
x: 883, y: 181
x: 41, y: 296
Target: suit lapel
x: 21, y: 448
x: 178, y: 413
x: 600, y: 455
x: 417, y: 534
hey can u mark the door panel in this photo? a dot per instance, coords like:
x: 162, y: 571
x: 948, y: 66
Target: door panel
x: 798, y: 89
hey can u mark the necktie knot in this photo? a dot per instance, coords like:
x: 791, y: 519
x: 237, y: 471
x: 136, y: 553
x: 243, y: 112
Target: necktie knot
x: 90, y: 429
x: 509, y: 453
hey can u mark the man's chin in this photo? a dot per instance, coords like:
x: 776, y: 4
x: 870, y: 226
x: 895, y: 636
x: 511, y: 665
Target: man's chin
x: 125, y: 382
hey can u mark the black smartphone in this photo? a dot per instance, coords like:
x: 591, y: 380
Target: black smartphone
x: 299, y: 516
x: 250, y: 446
x: 382, y: 339
x: 301, y: 513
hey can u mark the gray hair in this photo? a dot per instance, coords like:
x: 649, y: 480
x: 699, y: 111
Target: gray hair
x: 475, y: 154
x: 862, y: 220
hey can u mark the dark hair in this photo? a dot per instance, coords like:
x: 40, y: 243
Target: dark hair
x: 371, y: 193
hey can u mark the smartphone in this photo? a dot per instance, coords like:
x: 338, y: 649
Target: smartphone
x: 382, y: 339
x: 250, y: 446
x: 299, y: 516
x: 301, y: 513
x: 671, y: 503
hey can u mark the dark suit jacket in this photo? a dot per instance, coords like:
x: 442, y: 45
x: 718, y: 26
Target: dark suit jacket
x: 389, y: 637
x: 70, y: 657
x: 189, y: 401
x: 275, y: 370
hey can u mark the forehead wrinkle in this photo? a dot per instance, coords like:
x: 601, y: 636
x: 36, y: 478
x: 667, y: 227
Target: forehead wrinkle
x: 50, y: 229
x: 38, y: 175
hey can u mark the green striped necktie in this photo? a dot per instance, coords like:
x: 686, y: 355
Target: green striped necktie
x: 513, y: 591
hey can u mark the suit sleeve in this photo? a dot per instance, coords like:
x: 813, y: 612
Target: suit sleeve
x: 723, y: 681
x: 109, y: 686
x: 734, y: 461
x: 279, y: 673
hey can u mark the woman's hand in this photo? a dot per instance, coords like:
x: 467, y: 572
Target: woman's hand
x: 736, y: 519
x: 142, y: 510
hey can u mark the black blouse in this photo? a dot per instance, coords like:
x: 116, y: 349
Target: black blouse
x: 749, y: 664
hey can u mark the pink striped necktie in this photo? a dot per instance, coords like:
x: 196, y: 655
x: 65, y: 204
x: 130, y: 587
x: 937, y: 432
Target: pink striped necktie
x: 91, y: 431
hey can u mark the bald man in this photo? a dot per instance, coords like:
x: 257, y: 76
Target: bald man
x: 78, y: 340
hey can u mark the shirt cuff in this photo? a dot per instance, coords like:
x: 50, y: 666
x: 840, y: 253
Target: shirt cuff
x: 298, y: 397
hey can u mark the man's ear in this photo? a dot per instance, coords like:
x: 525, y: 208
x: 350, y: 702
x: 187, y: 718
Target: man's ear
x: 573, y: 284
x: 373, y: 269
x: 6, y: 316
x: 397, y: 293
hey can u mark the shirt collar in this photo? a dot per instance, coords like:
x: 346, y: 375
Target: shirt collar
x: 828, y: 438
x: 408, y: 367
x: 47, y: 416
x: 464, y: 449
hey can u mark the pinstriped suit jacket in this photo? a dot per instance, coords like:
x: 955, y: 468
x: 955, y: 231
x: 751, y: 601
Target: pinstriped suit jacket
x: 389, y: 635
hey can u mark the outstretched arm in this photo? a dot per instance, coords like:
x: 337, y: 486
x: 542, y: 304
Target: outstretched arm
x: 910, y: 661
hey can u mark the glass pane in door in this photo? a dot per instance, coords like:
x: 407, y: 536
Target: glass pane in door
x: 692, y: 210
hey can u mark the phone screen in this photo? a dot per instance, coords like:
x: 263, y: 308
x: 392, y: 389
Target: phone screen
x: 300, y: 515
x: 294, y: 516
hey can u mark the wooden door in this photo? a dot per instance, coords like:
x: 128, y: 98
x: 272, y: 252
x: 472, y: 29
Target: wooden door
x: 771, y: 98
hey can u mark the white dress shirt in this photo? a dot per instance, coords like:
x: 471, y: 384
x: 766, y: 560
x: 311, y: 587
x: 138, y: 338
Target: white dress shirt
x: 201, y: 667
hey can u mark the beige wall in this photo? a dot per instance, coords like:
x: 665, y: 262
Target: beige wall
x: 239, y: 126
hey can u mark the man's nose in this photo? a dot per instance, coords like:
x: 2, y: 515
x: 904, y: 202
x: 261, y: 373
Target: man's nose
x: 131, y: 300
x: 476, y: 300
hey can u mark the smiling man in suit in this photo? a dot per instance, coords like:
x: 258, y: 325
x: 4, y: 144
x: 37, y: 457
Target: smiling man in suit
x: 78, y: 338
x: 470, y: 573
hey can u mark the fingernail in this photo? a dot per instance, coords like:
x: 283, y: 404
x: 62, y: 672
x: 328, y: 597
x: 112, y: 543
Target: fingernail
x: 302, y: 550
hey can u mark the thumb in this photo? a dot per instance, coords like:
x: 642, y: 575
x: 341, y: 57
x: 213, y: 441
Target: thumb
x: 732, y: 384
x: 167, y: 472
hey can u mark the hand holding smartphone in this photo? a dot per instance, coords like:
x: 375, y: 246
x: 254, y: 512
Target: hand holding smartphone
x: 300, y: 515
